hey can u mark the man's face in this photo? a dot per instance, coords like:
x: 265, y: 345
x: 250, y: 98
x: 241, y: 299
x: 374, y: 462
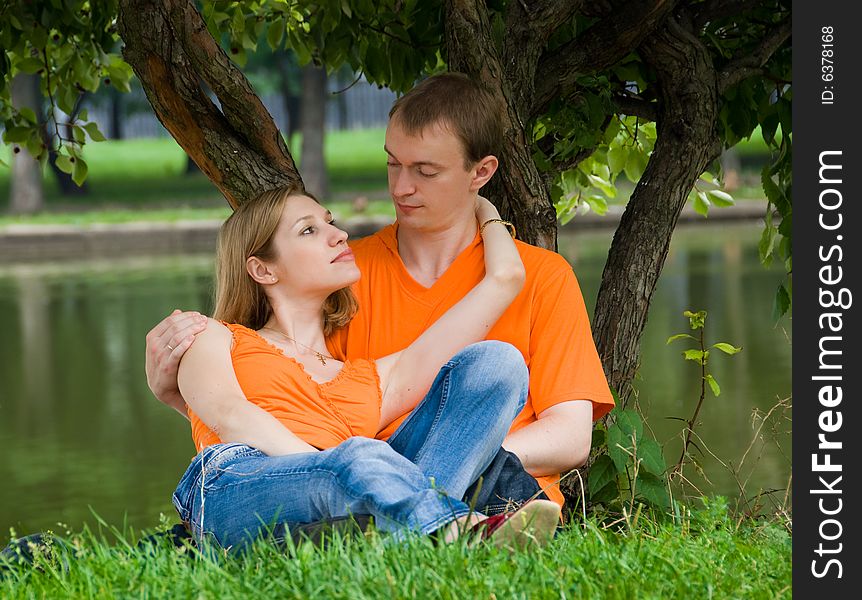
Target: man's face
x: 429, y: 185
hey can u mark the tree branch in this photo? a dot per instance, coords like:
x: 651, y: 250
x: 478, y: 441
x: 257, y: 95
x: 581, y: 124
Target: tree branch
x: 573, y: 161
x: 546, y: 16
x: 713, y: 10
x: 237, y: 146
x: 636, y: 107
x: 239, y: 102
x: 752, y: 63
x: 607, y: 41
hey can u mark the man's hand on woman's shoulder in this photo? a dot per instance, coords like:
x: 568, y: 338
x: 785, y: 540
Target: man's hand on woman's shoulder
x: 166, y: 344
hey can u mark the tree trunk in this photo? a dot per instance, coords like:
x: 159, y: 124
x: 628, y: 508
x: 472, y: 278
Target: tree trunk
x: 26, y: 195
x: 116, y: 114
x: 517, y: 189
x: 288, y: 72
x: 313, y: 127
x: 686, y: 143
x: 235, y: 143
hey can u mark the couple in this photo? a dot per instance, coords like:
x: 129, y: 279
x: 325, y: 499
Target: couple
x: 285, y: 430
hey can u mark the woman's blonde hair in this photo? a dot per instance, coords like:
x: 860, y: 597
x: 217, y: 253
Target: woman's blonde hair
x: 248, y: 232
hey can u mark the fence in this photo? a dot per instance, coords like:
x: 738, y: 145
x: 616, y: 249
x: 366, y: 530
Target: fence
x: 361, y: 106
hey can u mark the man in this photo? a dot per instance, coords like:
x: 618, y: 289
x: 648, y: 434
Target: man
x: 441, y: 140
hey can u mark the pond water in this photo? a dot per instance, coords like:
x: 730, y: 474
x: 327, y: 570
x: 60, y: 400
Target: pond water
x: 82, y: 436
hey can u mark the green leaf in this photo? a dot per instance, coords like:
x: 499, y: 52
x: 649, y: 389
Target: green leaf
x: 80, y: 173
x: 695, y: 319
x: 94, y: 133
x: 770, y: 188
x: 617, y: 157
x: 701, y: 204
x: 698, y: 356
x: 616, y: 443
x: 767, y: 243
x: 630, y: 422
x: 726, y: 348
x: 719, y: 198
x: 653, y: 490
x: 30, y: 65
x: 652, y: 457
x: 678, y: 336
x: 35, y: 146
x: 15, y: 135
x: 713, y: 385
x: 599, y: 437
x: 608, y: 494
x: 79, y: 134
x: 275, y: 33
x: 597, y: 204
x: 635, y: 165
x: 601, y: 473
x: 65, y: 164
x: 782, y: 303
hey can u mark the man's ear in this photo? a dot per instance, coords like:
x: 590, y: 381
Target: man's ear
x: 260, y: 271
x: 483, y: 171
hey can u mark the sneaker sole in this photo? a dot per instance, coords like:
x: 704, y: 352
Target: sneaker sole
x: 535, y: 523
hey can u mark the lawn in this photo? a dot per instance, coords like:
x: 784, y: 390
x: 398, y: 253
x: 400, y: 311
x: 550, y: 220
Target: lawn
x: 704, y: 554
x: 150, y: 173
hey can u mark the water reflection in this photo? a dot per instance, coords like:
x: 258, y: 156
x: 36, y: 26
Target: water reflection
x: 81, y: 431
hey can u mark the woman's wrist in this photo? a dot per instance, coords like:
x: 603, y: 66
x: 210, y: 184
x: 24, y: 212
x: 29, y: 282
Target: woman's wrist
x: 508, y: 225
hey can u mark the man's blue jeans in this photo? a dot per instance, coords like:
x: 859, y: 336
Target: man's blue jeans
x: 413, y: 482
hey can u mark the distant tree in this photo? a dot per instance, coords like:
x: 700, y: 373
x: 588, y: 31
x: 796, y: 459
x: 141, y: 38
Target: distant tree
x: 312, y: 124
x: 26, y: 193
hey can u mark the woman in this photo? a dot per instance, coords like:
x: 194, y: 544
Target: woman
x: 284, y: 430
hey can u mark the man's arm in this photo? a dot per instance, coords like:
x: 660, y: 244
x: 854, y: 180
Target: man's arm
x: 558, y: 441
x: 166, y: 344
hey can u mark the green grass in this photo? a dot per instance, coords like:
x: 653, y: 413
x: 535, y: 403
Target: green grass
x: 150, y: 173
x: 707, y: 555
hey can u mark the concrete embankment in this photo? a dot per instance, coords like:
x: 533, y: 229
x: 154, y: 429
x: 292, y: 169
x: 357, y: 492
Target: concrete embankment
x: 23, y: 243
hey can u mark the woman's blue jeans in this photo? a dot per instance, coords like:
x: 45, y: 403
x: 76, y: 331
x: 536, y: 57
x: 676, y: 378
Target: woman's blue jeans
x: 413, y: 482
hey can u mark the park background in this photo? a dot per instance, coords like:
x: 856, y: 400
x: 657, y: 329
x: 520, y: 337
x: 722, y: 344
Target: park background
x: 88, y: 446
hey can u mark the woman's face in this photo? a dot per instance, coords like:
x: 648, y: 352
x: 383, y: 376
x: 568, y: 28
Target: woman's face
x: 312, y: 255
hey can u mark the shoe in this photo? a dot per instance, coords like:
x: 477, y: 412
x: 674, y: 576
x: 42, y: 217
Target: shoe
x: 534, y: 523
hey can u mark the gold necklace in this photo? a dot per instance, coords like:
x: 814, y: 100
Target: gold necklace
x: 319, y: 355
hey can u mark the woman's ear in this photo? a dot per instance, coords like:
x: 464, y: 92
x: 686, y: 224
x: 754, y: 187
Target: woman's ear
x: 260, y: 271
x: 483, y: 171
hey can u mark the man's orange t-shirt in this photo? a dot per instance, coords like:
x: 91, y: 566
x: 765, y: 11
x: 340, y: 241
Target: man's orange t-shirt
x: 547, y: 322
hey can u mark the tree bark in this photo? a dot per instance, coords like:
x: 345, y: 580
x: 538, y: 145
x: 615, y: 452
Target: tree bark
x: 313, y: 127
x: 517, y: 189
x: 235, y: 143
x: 686, y: 143
x: 26, y: 194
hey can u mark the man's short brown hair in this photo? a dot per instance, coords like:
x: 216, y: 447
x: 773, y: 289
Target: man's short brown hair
x: 455, y: 101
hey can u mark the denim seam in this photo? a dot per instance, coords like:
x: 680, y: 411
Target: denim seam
x: 444, y: 397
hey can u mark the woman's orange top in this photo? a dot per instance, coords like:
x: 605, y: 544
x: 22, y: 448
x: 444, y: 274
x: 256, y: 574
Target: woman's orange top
x: 321, y: 414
